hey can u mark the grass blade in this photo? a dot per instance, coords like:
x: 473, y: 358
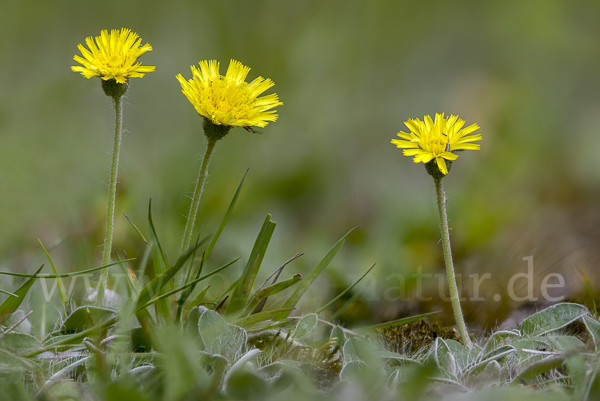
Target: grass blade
x: 226, y: 217
x: 345, y: 291
x: 193, y: 272
x: 137, y: 230
x: 264, y: 293
x: 312, y: 276
x: 269, y: 325
x: 185, y: 286
x: 278, y: 287
x: 133, y: 286
x: 74, y: 339
x: 10, y: 305
x: 276, y: 273
x: 14, y: 326
x: 220, y: 300
x: 185, y: 295
x: 164, y: 276
x: 154, y: 287
x: 63, y: 275
x: 395, y: 323
x: 258, y: 317
x: 9, y: 293
x: 198, y: 300
x: 157, y: 251
x: 242, y: 290
x: 61, y: 287
x: 348, y: 303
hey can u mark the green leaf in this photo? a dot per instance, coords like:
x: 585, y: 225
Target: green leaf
x: 243, y: 384
x: 61, y: 374
x: 500, y: 338
x: 11, y: 304
x: 19, y: 342
x: 86, y: 317
x: 552, y: 318
x: 305, y: 326
x: 444, y: 359
x: 18, y: 321
x: 490, y: 374
x: 191, y: 322
x: 140, y: 340
x: 462, y: 355
x: 352, y: 350
x: 395, y: 360
x: 338, y: 334
x: 242, y: 290
x: 536, y: 344
x: 497, y: 354
x: 367, y: 352
x: 538, y: 368
x: 592, y: 391
x: 8, y: 360
x: 577, y: 368
x: 220, y: 337
x: 593, y: 327
x: 312, y: 276
x: 72, y: 339
x: 566, y: 344
x: 353, y: 371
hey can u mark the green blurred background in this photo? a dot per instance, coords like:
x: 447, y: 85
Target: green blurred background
x: 349, y: 74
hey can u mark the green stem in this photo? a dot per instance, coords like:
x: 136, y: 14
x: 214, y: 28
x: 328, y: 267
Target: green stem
x: 454, y: 296
x: 112, y: 192
x: 191, y: 219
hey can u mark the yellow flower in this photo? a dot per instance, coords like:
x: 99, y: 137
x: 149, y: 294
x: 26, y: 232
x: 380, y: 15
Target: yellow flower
x: 229, y: 100
x: 113, y: 56
x: 437, y: 139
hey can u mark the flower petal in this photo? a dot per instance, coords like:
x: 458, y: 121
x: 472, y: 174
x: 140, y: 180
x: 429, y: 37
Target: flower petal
x: 437, y: 139
x: 442, y: 165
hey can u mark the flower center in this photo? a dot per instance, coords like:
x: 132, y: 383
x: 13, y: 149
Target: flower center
x: 435, y: 144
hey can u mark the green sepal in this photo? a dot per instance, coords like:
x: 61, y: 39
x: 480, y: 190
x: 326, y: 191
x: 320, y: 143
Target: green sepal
x: 114, y: 89
x: 434, y: 171
x: 213, y: 131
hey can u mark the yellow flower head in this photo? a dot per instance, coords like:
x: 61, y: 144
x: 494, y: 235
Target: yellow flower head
x: 229, y: 100
x: 437, y: 139
x: 113, y: 56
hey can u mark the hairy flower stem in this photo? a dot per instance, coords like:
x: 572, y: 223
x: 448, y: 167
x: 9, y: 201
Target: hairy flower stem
x: 191, y: 219
x: 454, y: 296
x: 112, y: 192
